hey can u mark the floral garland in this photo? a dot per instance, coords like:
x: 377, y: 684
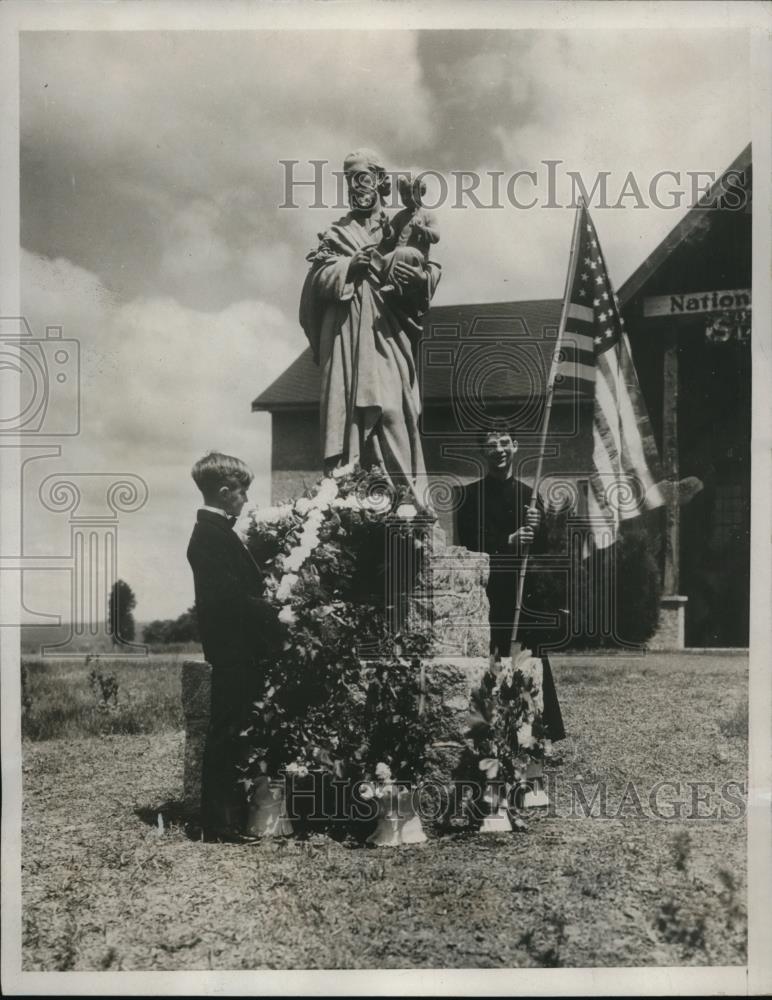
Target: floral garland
x: 323, y: 556
x: 309, y: 515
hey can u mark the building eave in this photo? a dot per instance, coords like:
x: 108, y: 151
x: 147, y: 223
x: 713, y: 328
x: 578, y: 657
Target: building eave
x: 680, y: 232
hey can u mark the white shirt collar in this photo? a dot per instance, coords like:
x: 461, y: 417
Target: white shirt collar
x: 214, y: 510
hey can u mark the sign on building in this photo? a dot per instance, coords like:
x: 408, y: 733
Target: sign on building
x: 688, y: 303
x: 728, y: 312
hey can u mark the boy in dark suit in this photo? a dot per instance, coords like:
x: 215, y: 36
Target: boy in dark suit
x: 494, y: 516
x: 237, y: 626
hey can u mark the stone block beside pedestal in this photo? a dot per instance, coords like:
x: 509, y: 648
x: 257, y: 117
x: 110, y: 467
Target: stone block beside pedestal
x: 671, y: 630
x: 196, y: 700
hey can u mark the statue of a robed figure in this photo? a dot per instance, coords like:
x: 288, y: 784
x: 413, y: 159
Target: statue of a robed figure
x: 370, y: 282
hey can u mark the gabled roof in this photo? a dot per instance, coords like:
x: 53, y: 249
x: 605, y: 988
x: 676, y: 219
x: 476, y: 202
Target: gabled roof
x: 483, y: 324
x: 694, y: 219
x: 297, y: 386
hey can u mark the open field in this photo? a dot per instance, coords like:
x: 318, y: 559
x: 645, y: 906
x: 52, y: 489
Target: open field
x: 62, y: 699
x: 105, y: 887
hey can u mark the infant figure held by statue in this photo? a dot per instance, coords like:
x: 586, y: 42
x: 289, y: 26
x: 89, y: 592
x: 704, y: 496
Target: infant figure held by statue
x: 408, y: 237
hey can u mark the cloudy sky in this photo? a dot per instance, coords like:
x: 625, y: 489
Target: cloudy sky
x: 152, y: 232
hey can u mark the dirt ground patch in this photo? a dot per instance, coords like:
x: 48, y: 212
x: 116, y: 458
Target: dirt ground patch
x: 106, y: 887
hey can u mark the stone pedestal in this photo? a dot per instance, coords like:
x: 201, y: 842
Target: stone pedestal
x: 671, y: 630
x: 459, y: 602
x: 451, y: 597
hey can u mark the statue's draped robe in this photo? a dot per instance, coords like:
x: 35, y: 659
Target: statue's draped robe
x: 363, y: 343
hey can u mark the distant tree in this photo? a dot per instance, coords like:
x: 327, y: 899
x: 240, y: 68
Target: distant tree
x: 121, y: 604
x: 185, y: 628
x: 157, y: 631
x: 181, y: 629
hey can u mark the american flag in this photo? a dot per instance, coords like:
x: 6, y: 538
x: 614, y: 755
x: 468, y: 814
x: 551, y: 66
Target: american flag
x: 594, y: 353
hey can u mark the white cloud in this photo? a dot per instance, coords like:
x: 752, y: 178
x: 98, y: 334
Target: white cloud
x: 161, y: 384
x: 171, y: 142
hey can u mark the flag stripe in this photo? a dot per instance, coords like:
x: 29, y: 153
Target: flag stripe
x: 580, y: 341
x: 575, y: 311
x: 573, y: 369
x: 596, y: 356
x: 632, y: 456
x: 605, y: 408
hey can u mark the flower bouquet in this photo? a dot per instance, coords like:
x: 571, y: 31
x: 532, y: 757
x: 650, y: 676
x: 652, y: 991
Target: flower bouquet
x: 505, y: 734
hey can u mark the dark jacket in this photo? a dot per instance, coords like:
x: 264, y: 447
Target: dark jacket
x: 490, y: 510
x: 236, y: 623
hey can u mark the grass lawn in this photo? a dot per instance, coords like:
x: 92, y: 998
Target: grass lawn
x: 105, y: 887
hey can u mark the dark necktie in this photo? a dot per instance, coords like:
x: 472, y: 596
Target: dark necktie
x: 231, y: 519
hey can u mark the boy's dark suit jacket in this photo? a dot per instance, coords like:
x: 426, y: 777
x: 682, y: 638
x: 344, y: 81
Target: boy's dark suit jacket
x: 237, y: 628
x: 234, y: 620
x: 490, y: 510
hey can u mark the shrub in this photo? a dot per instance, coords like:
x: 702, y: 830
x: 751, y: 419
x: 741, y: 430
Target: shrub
x: 609, y: 599
x: 638, y: 588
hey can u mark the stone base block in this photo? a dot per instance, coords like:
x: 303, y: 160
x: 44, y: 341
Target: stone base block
x: 196, y: 693
x: 671, y: 631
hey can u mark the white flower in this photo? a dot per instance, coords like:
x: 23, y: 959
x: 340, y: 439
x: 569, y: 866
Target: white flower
x: 287, y: 616
x: 309, y: 539
x: 490, y: 765
x: 269, y: 515
x: 344, y: 470
x: 312, y: 510
x: 327, y: 492
x: 284, y: 591
x: 383, y: 772
x: 296, y: 768
x: 351, y: 502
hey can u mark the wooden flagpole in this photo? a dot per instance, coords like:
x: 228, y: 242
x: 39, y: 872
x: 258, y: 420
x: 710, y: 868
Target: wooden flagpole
x: 547, y: 410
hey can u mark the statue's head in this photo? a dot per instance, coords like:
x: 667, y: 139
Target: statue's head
x: 367, y: 180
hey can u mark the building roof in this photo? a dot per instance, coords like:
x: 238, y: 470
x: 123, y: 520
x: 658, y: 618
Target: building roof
x: 694, y: 219
x: 475, y: 329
